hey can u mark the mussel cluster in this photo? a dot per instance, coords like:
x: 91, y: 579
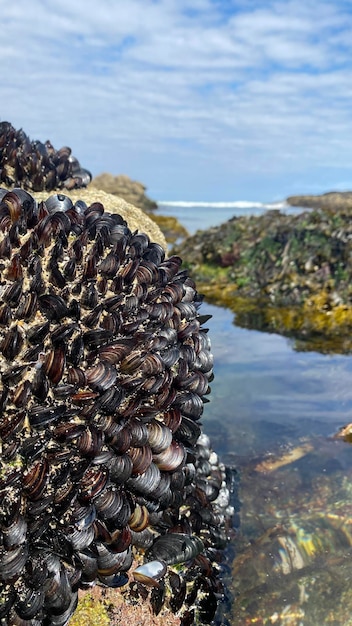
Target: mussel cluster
x: 104, y: 366
x: 37, y: 166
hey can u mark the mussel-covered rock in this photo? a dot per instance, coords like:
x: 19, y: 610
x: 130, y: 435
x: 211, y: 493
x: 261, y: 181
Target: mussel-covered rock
x: 104, y: 367
x: 38, y: 166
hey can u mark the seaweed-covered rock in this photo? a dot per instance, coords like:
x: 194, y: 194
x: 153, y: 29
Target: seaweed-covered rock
x: 300, y: 265
x: 170, y: 226
x: 285, y: 258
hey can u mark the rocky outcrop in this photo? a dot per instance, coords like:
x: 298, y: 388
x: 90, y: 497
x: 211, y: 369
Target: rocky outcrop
x: 130, y: 190
x: 333, y: 200
x: 291, y: 273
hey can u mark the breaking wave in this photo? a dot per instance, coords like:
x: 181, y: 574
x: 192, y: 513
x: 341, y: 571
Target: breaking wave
x: 238, y: 204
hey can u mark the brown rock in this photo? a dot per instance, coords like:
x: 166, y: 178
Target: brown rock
x: 333, y: 200
x: 130, y: 190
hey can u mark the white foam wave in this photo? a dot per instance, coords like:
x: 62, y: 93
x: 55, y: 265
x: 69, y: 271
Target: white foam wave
x: 238, y: 204
x: 277, y: 205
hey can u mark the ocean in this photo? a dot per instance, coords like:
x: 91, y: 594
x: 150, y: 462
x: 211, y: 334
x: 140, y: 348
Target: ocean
x: 202, y: 215
x: 272, y: 417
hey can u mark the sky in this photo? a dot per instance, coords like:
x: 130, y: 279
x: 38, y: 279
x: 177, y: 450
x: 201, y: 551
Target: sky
x: 200, y: 100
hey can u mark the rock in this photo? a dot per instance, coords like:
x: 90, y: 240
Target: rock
x: 333, y: 200
x: 170, y: 226
x: 130, y: 190
x: 135, y: 218
x: 290, y: 274
x: 115, y: 319
x: 284, y: 258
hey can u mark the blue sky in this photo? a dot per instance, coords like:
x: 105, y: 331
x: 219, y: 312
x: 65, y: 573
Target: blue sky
x: 199, y: 99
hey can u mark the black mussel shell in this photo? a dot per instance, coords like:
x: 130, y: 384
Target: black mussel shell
x: 105, y: 369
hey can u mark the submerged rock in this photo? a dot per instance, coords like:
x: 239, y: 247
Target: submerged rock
x: 292, y: 563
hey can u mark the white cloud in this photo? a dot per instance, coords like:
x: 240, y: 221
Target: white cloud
x: 164, y: 86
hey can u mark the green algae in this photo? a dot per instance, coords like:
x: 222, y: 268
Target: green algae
x: 91, y: 612
x: 318, y: 324
x: 170, y: 226
x: 284, y: 258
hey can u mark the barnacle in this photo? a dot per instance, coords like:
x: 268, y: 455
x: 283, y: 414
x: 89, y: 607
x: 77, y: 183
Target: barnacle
x: 104, y: 367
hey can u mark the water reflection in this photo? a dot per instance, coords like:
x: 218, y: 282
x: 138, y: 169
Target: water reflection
x: 265, y: 393
x: 309, y: 328
x: 293, y: 552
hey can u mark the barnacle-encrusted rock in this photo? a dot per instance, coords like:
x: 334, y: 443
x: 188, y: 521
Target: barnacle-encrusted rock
x: 104, y: 367
x: 35, y: 165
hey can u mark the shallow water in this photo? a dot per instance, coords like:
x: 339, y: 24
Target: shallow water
x: 265, y: 393
x: 269, y: 399
x: 272, y: 416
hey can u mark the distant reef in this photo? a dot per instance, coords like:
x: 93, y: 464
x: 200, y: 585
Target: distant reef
x: 333, y: 200
x: 123, y: 186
